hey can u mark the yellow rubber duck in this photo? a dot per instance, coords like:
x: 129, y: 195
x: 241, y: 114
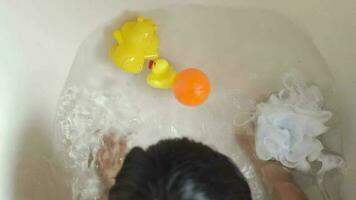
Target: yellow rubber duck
x: 162, y: 74
x: 136, y: 41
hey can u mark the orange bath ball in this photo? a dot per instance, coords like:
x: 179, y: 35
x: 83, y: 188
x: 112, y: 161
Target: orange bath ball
x: 191, y: 87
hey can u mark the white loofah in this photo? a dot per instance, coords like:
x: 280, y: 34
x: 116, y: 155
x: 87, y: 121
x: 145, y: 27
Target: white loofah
x: 289, y: 124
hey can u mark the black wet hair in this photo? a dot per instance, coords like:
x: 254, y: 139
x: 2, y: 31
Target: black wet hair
x: 179, y: 169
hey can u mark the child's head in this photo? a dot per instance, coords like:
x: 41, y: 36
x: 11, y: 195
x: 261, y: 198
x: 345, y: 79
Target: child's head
x: 179, y: 169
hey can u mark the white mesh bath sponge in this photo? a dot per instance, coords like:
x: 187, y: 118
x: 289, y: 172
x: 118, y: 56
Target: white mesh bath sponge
x: 288, y: 126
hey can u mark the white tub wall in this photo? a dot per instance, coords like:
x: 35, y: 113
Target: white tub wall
x: 39, y: 40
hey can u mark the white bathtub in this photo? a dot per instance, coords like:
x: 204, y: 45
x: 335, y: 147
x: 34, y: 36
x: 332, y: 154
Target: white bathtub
x: 39, y: 41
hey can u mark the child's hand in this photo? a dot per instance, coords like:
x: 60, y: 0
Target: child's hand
x: 110, y: 157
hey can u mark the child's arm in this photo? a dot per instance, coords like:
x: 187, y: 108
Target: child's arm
x: 274, y: 176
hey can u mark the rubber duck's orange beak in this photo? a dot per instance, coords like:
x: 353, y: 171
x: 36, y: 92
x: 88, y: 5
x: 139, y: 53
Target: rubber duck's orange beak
x: 150, y: 64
